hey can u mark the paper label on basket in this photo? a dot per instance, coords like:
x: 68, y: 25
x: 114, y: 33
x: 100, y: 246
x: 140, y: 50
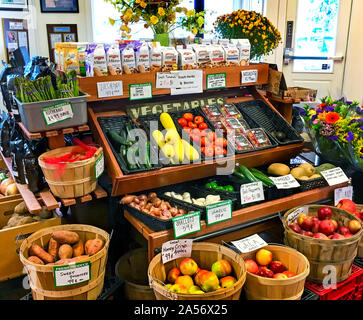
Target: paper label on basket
x: 189, y: 81
x: 293, y: 215
x: 166, y: 80
x: 219, y: 212
x: 186, y: 224
x: 216, y: 81
x: 249, y: 76
x: 285, y: 182
x: 335, y: 176
x: 141, y: 91
x: 249, y: 244
x: 343, y: 193
x: 110, y: 89
x: 57, y: 113
x: 100, y: 166
x: 252, y: 192
x: 71, y: 275
x: 175, y: 249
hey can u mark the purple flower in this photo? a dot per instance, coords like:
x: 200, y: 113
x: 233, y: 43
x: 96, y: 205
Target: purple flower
x: 334, y: 137
x: 319, y: 111
x: 350, y: 137
x: 349, y: 102
x: 327, y: 130
x: 329, y: 109
x: 303, y: 113
x: 313, y: 118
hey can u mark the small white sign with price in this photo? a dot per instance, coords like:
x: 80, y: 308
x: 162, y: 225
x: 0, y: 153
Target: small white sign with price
x: 249, y: 76
x: 252, y: 192
x: 57, y: 113
x: 293, y: 215
x: 175, y: 249
x: 335, y: 176
x: 186, y: 225
x: 141, y: 91
x: 72, y: 274
x: 285, y: 182
x: 189, y: 81
x: 343, y: 193
x: 166, y: 80
x: 216, y: 81
x: 110, y: 89
x: 250, y: 243
x: 219, y: 212
x: 100, y: 166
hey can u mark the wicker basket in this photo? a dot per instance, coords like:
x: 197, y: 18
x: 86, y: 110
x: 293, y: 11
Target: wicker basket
x: 360, y: 247
x: 41, y: 277
x: 260, y: 288
x: 77, y: 179
x: 205, y: 254
x: 323, y: 253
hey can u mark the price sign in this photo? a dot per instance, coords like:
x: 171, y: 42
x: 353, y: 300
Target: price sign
x: 216, y: 81
x: 249, y: 76
x: 335, y: 176
x: 285, y: 182
x: 186, y: 224
x: 189, y: 81
x: 72, y: 274
x: 110, y: 89
x: 293, y: 215
x: 219, y: 212
x: 252, y: 192
x: 166, y: 80
x: 249, y: 244
x: 57, y: 113
x: 176, y: 249
x: 141, y: 91
x: 100, y: 166
x: 343, y: 193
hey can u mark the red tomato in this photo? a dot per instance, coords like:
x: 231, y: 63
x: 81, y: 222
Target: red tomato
x: 196, y: 132
x: 183, y: 122
x: 188, y: 130
x: 224, y: 152
x: 198, y: 120
x: 188, y: 116
x: 218, y: 150
x: 203, y: 141
x: 209, y: 152
x: 202, y: 149
x: 192, y: 125
x: 205, y: 132
x: 221, y: 142
x: 195, y: 138
x: 211, y: 136
x: 203, y: 126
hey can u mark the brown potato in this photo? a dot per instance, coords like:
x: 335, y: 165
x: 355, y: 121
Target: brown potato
x: 127, y: 199
x: 65, y: 237
x: 93, y: 246
x: 78, y: 249
x: 53, y: 247
x: 38, y: 251
x: 35, y: 260
x: 65, y: 251
x: 79, y: 259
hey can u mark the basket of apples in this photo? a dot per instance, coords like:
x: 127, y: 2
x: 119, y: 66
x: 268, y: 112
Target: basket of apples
x: 275, y: 272
x: 327, y: 236
x: 213, y: 272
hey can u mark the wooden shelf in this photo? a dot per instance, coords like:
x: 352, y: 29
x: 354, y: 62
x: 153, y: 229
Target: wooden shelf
x: 156, y: 239
x: 233, y: 77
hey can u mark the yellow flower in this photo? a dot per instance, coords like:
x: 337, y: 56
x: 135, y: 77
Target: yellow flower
x: 195, y: 31
x: 250, y: 26
x: 123, y: 28
x: 200, y: 21
x: 154, y: 19
x: 321, y: 116
x: 129, y: 36
x: 112, y: 21
x: 256, y: 40
x: 137, y: 1
x: 190, y: 13
x: 143, y: 4
x: 231, y: 25
x: 161, y: 11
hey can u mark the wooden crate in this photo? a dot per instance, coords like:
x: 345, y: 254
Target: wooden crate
x: 8, y: 198
x: 10, y: 264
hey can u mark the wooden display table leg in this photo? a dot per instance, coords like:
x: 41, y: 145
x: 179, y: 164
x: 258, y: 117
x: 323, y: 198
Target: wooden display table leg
x: 56, y: 142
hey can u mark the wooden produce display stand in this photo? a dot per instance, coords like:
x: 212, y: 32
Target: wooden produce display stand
x: 235, y: 92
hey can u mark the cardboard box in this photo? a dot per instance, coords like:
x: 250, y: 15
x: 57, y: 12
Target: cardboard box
x: 304, y: 94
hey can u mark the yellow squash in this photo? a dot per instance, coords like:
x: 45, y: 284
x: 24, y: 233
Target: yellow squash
x: 159, y: 138
x: 189, y: 151
x: 179, y: 151
x: 167, y: 121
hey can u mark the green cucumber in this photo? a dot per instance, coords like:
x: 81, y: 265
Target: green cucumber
x: 262, y: 177
x: 117, y: 139
x: 247, y: 173
x: 240, y: 176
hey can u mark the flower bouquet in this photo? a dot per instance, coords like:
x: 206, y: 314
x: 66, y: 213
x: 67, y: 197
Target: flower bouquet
x: 242, y: 24
x: 336, y: 129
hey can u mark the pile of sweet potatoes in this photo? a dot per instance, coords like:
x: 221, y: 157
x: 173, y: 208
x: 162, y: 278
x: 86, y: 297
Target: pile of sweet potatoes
x: 63, y: 248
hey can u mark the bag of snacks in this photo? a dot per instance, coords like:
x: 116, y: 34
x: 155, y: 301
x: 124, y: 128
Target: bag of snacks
x: 128, y: 60
x: 186, y: 59
x: 202, y: 53
x: 142, y: 56
x: 113, y: 59
x: 155, y: 56
x: 169, y: 59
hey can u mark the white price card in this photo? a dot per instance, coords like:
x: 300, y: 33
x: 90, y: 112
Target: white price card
x: 72, y: 274
x: 219, y: 212
x: 57, y: 113
x: 252, y: 192
x: 285, y: 182
x: 216, y: 81
x: 100, y: 166
x: 186, y: 224
x: 166, y: 80
x: 249, y: 244
x: 335, y: 176
x: 293, y: 215
x: 175, y: 249
x: 110, y: 89
x: 343, y: 193
x: 249, y: 76
x: 141, y: 91
x: 189, y: 81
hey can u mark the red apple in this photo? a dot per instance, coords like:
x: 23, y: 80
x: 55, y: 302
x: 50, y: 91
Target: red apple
x: 358, y: 215
x: 316, y: 224
x: 347, y: 205
x: 348, y: 235
x: 327, y: 227
x: 300, y: 219
x: 265, y: 272
x: 335, y: 224
x: 251, y: 266
x: 280, y: 276
x: 343, y: 230
x: 307, y: 223
x: 336, y: 236
x: 295, y: 227
x: 324, y: 213
x: 276, y: 267
x: 289, y: 274
x: 321, y: 236
x: 307, y: 233
x: 354, y: 226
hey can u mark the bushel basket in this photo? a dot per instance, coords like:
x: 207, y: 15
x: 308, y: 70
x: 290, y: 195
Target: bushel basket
x: 360, y: 247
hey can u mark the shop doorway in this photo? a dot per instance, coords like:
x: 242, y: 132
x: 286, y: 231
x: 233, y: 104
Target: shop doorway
x: 315, y: 30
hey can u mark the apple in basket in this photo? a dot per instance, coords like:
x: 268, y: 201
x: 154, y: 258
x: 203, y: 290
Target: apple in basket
x: 327, y: 227
x: 354, y: 226
x: 321, y: 236
x: 336, y: 236
x: 324, y: 213
x: 251, y: 266
x: 295, y: 227
x: 347, y: 205
x: 343, y: 230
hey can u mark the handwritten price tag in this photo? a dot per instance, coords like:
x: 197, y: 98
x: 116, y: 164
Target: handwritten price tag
x: 216, y: 81
x: 176, y: 249
x: 219, y: 212
x: 71, y: 275
x: 186, y: 225
x: 141, y: 91
x: 335, y: 176
x: 110, y: 89
x: 285, y: 182
x: 189, y: 81
x: 252, y: 192
x: 57, y: 113
x: 293, y: 215
x: 166, y: 80
x: 249, y: 244
x: 343, y: 193
x: 100, y: 166
x: 249, y: 76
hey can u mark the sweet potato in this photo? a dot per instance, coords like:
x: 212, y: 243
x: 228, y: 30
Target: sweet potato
x: 78, y: 249
x: 38, y: 251
x: 35, y: 260
x: 65, y: 251
x: 79, y: 259
x: 93, y: 246
x: 65, y: 237
x: 53, y: 247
